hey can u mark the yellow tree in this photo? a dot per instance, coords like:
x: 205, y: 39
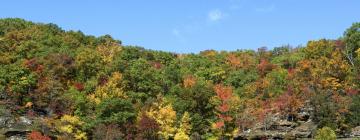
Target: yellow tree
x: 325, y: 67
x: 337, y: 69
x: 112, y: 89
x: 107, y: 53
x: 189, y: 81
x: 183, y: 131
x: 69, y: 126
x: 165, y: 116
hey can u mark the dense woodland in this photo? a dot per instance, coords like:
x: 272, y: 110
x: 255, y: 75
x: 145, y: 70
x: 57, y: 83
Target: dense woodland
x: 87, y: 87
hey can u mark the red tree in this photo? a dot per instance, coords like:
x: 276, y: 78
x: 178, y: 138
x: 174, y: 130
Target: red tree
x: 264, y: 67
x: 79, y: 86
x: 147, y: 127
x: 35, y: 135
x: 224, y: 94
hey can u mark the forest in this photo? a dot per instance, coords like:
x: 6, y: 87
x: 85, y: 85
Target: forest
x: 76, y: 86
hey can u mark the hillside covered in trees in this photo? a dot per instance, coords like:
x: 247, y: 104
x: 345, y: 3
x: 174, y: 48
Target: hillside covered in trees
x: 75, y: 86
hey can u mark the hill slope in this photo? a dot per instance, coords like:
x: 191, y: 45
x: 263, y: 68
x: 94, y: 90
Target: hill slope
x: 76, y: 86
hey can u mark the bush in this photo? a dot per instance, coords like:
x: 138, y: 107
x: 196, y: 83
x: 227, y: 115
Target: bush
x: 35, y: 135
x: 325, y: 133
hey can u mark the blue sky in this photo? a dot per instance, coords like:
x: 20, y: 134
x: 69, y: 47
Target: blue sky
x: 195, y: 25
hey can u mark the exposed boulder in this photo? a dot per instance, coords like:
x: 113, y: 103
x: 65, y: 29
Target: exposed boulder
x: 305, y: 130
x: 260, y: 134
x: 24, y: 120
x: 15, y: 135
x: 275, y: 129
x: 355, y: 132
x: 284, y: 125
x: 280, y: 127
x: 14, y: 128
x: 4, y: 121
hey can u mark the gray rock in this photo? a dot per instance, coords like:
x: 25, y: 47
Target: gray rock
x: 5, y: 117
x: 16, y: 138
x: 12, y: 128
x: 281, y: 129
x: 4, y: 121
x: 355, y: 132
x: 24, y: 120
x: 10, y: 122
x: 305, y: 130
x: 284, y: 125
x: 16, y: 134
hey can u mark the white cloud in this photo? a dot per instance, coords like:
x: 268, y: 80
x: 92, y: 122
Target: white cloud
x: 215, y: 15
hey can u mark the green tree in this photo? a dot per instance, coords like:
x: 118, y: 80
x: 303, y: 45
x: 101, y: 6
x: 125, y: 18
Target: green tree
x: 88, y: 63
x: 354, y: 116
x: 118, y: 111
x: 352, y: 40
x: 325, y: 110
x: 196, y: 101
x: 141, y: 78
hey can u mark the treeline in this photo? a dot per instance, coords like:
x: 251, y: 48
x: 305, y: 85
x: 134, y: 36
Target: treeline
x: 88, y: 87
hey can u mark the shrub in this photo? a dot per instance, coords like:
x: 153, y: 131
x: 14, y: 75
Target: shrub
x: 325, y: 133
x: 35, y: 135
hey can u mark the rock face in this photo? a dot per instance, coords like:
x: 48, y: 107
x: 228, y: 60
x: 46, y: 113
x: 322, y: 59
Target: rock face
x: 305, y: 130
x: 14, y: 128
x: 280, y: 128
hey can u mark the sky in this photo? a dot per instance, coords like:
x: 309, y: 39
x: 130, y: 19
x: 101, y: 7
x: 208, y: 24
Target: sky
x: 191, y: 26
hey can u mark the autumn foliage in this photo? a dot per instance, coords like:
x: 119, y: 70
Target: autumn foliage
x: 78, y: 86
x: 35, y: 135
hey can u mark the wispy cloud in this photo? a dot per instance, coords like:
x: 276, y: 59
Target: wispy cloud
x: 215, y: 15
x: 265, y: 9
